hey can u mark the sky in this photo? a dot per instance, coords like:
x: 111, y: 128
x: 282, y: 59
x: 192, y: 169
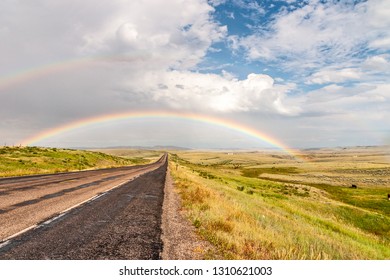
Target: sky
x: 308, y: 73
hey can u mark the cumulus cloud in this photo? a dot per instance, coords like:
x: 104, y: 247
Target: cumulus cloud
x: 213, y: 92
x: 174, y: 33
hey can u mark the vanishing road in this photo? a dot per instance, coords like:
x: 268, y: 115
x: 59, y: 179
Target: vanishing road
x: 100, y: 214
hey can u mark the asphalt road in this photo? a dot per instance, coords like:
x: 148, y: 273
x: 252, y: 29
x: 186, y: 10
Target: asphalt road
x: 122, y: 221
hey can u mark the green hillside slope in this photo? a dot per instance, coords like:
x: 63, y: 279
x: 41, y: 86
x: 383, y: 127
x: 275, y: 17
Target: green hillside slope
x: 17, y: 161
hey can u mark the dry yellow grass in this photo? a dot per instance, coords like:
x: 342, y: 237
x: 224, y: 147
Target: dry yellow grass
x: 256, y: 218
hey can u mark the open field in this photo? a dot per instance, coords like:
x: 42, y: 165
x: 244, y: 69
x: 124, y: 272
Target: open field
x: 138, y: 156
x: 261, y: 205
x: 18, y: 161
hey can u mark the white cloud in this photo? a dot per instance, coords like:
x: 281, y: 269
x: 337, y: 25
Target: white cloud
x: 221, y: 93
x: 380, y: 43
x: 377, y: 63
x: 231, y: 15
x: 362, y: 102
x: 335, y: 76
x: 174, y: 33
x: 373, y: 69
x: 378, y: 16
x: 217, y: 2
x: 251, y: 5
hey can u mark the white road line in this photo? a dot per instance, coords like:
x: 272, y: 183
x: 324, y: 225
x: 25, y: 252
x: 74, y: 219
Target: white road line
x: 51, y: 220
x: 16, y: 234
x: 4, y: 243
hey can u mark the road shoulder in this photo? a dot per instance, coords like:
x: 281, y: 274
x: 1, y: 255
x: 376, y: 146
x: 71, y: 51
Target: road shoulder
x: 180, y: 241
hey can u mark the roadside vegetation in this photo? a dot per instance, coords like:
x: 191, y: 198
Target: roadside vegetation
x: 18, y: 161
x: 258, y: 206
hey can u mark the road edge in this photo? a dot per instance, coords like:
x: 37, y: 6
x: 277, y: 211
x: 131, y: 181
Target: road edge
x: 180, y: 241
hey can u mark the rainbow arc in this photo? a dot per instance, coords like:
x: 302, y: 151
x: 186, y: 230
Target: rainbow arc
x: 229, y: 124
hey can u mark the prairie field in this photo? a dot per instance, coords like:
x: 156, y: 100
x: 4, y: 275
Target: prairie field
x: 268, y: 205
x: 137, y: 156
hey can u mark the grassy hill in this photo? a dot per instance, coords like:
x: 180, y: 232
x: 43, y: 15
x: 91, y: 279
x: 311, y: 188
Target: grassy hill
x: 18, y: 161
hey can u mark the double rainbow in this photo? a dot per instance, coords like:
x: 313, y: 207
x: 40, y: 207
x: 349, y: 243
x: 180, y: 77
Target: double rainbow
x: 34, y: 73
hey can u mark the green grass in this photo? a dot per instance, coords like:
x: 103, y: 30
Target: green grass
x: 370, y: 198
x: 370, y: 222
x: 17, y: 161
x: 256, y: 172
x: 247, y: 217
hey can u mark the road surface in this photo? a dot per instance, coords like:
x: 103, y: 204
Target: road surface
x: 102, y: 214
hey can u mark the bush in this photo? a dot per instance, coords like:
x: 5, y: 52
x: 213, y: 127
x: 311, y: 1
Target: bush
x: 197, y: 223
x: 249, y: 192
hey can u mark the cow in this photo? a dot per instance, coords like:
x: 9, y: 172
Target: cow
x: 354, y: 187
x: 388, y: 196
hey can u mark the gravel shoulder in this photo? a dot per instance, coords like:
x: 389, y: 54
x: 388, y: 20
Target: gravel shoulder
x: 180, y: 241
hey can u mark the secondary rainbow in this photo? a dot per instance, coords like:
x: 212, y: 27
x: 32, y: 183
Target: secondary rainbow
x: 58, y: 67
x: 232, y: 125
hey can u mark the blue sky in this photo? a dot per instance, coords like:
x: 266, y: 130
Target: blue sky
x: 309, y: 73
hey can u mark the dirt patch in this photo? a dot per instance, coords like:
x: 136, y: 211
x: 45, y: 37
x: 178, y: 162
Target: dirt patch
x: 180, y: 241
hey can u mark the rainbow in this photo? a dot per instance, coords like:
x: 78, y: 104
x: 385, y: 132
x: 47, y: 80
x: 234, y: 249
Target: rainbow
x: 22, y: 76
x: 229, y: 124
